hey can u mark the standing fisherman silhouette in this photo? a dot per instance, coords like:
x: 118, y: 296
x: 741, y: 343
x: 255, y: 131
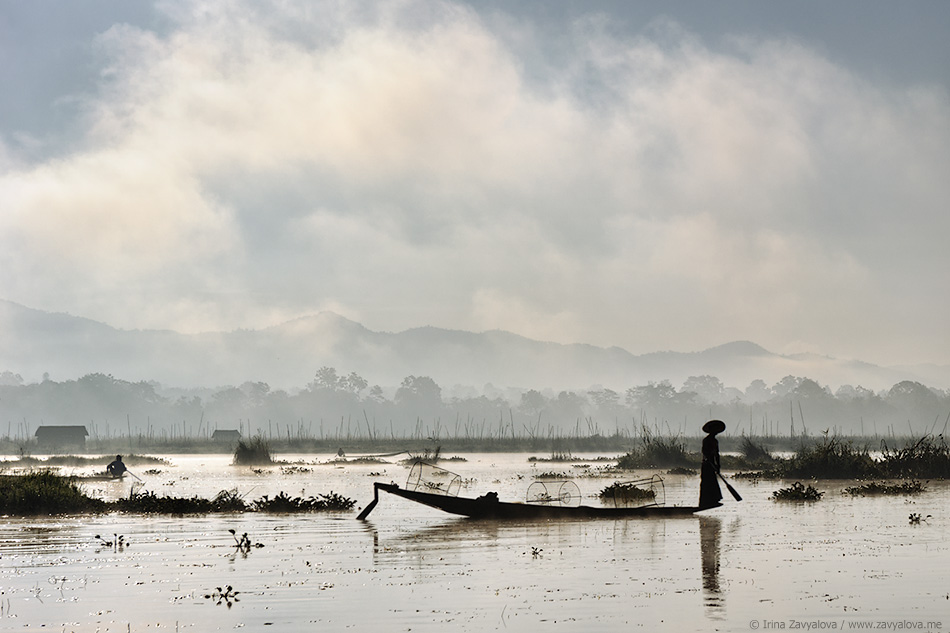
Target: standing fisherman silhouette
x: 116, y: 468
x: 710, y: 495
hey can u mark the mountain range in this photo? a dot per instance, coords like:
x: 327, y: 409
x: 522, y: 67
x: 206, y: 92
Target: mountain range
x: 287, y: 356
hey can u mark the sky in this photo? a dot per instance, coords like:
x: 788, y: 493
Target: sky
x: 653, y: 176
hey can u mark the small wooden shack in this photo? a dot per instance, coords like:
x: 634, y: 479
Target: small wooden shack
x: 226, y: 436
x: 61, y: 437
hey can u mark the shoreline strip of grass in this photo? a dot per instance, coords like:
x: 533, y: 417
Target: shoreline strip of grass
x: 46, y: 493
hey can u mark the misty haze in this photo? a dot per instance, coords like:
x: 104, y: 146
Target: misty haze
x: 441, y: 315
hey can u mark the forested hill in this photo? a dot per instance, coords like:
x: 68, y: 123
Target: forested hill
x: 63, y: 347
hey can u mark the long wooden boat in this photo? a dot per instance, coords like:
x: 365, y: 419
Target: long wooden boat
x: 489, y: 507
x: 99, y: 477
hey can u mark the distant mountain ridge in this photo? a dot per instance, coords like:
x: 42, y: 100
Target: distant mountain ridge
x: 286, y: 356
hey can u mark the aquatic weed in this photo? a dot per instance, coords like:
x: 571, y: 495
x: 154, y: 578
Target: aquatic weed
x: 657, y: 451
x: 284, y: 503
x: 254, y: 452
x: 43, y: 492
x: 797, y: 492
x: 929, y: 457
x: 226, y: 596
x: 875, y: 488
x: 754, y: 453
x: 831, y: 458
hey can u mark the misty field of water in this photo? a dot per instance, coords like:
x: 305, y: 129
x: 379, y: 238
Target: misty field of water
x: 844, y: 560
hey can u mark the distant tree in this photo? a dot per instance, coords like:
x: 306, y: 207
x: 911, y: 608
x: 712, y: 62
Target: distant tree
x: 757, y: 391
x: 849, y: 393
x: 354, y: 383
x: 569, y: 406
x: 9, y: 379
x: 326, y: 378
x: 808, y: 389
x: 532, y: 403
x: 418, y: 391
x: 786, y: 386
x: 707, y: 388
x: 230, y: 397
x: 256, y: 393
x: 913, y: 396
x: 376, y: 395
x: 604, y: 398
x: 654, y: 395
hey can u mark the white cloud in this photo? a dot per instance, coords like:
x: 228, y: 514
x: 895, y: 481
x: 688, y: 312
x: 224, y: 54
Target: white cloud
x: 258, y: 163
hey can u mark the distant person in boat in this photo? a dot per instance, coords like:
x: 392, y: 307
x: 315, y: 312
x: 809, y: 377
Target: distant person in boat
x: 116, y: 468
x: 709, y: 493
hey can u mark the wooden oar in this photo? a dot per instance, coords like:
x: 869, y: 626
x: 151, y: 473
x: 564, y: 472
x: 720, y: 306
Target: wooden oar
x: 140, y: 481
x: 372, y: 504
x: 732, y: 490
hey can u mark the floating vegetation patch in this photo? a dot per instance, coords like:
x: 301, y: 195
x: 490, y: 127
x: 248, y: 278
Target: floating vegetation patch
x: 118, y: 542
x: 682, y: 470
x: 753, y: 476
x: 929, y: 458
x: 657, y: 451
x: 229, y: 501
x: 357, y: 460
x: 150, y: 503
x: 254, y: 452
x: 550, y: 474
x: 294, y: 470
x: 831, y: 458
x: 45, y: 493
x: 874, y: 488
x: 243, y: 544
x: 797, y: 492
x: 754, y: 452
x: 625, y: 492
x: 836, y: 458
x: 283, y: 502
x: 79, y: 462
x: 226, y: 596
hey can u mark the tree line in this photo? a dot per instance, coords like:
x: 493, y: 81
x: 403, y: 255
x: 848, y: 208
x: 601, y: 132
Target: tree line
x: 336, y: 404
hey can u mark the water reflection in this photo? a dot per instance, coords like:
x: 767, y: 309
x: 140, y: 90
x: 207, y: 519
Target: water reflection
x: 710, y: 529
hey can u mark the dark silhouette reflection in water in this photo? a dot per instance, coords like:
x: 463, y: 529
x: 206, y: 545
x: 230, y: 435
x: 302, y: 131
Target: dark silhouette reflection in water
x: 710, y: 529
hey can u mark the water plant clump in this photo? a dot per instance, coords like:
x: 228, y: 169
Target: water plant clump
x: 657, y: 451
x: 831, y: 458
x: 682, y: 470
x: 283, y: 502
x: 754, y: 453
x: 77, y: 461
x: 622, y: 492
x: 929, y: 457
x: 875, y: 488
x: 43, y: 492
x: 797, y: 492
x: 150, y: 503
x: 254, y: 452
x: 226, y: 596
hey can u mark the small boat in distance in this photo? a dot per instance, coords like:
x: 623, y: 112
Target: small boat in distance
x: 442, y: 495
x: 98, y: 477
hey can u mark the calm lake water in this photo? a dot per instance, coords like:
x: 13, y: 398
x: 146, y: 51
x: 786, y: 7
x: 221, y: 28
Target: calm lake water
x: 838, y: 564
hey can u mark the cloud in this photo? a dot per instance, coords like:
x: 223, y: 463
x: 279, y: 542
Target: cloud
x: 406, y: 166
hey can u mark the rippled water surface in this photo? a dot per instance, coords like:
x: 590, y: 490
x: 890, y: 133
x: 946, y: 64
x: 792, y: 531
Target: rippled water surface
x: 834, y: 564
